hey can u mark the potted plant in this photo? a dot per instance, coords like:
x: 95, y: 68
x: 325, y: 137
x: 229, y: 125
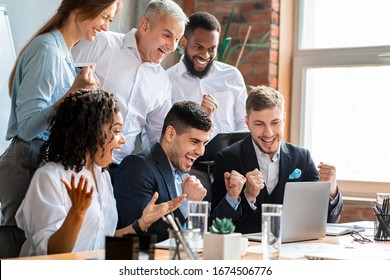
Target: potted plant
x: 221, y: 242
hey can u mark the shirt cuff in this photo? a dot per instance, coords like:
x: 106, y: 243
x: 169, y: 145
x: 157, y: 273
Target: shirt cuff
x: 335, y: 200
x: 232, y: 202
x: 251, y: 203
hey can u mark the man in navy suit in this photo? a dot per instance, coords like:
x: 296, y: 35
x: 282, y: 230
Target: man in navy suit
x: 163, y: 168
x: 255, y: 170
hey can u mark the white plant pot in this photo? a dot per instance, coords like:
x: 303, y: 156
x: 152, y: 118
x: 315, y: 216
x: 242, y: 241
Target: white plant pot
x: 222, y: 246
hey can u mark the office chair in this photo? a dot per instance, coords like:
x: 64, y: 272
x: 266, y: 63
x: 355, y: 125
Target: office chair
x: 11, y: 241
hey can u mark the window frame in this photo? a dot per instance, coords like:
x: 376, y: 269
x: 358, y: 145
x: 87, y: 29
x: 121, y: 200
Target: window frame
x: 304, y: 59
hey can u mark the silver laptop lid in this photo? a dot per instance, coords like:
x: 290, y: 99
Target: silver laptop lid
x: 305, y: 210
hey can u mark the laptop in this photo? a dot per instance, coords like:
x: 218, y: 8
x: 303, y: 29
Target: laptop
x: 305, y: 212
x: 220, y: 141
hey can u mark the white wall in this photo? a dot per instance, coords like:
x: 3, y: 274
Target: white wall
x: 27, y: 16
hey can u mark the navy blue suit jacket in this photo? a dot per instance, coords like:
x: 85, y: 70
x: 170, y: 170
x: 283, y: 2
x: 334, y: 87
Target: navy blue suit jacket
x: 241, y: 157
x: 138, y: 178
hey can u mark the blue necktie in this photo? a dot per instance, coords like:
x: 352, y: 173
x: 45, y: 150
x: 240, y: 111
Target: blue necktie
x: 178, y: 180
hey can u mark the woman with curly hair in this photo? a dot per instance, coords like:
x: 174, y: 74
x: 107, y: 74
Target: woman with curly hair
x: 43, y: 75
x: 69, y: 205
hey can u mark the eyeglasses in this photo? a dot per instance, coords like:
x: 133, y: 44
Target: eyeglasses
x: 358, y: 237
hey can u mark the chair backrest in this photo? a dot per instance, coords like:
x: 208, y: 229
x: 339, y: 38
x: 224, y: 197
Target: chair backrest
x: 11, y: 241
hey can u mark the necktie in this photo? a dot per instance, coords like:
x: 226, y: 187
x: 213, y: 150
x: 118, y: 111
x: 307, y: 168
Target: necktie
x: 178, y: 180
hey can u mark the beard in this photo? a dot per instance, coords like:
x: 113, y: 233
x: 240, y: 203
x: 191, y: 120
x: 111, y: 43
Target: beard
x: 270, y: 152
x: 191, y: 68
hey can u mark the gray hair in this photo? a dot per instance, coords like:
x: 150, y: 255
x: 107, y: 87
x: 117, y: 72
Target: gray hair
x: 158, y: 8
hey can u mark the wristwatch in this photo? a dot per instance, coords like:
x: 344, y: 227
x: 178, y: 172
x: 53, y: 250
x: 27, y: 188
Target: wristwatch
x: 137, y: 228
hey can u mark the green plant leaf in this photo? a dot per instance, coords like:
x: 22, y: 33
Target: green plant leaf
x: 259, y: 44
x: 254, y: 47
x: 222, y: 226
x: 226, y: 34
x: 224, y: 46
x: 226, y: 40
x: 179, y: 50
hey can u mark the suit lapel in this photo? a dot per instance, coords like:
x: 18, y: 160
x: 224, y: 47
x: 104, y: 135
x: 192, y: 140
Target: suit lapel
x: 249, y: 155
x: 164, y: 168
x: 284, y: 165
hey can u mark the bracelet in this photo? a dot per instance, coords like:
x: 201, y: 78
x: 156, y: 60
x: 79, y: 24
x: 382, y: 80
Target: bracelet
x: 137, y: 228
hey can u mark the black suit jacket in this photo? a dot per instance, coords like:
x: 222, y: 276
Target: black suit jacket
x: 138, y: 178
x: 241, y: 157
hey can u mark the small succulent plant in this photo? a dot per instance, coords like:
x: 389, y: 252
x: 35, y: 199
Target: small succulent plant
x: 222, y: 226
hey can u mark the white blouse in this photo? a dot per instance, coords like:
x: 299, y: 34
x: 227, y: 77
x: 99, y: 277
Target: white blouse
x: 47, y: 203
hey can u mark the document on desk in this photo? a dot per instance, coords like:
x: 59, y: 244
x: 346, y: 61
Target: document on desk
x: 296, y: 250
x: 336, y: 229
x: 167, y: 244
x: 372, y: 251
x: 326, y: 251
x: 333, y: 229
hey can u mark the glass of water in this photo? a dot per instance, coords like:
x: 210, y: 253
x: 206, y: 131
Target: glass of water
x: 271, y: 229
x: 197, y: 216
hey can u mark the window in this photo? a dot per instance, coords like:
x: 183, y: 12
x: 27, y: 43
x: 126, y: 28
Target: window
x: 341, y: 89
x: 343, y: 23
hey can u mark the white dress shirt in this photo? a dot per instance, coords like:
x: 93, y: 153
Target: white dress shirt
x: 47, y: 203
x: 224, y: 82
x: 269, y: 168
x: 141, y: 89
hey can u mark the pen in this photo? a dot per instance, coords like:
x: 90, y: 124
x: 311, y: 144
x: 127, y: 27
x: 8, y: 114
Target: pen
x: 181, y: 238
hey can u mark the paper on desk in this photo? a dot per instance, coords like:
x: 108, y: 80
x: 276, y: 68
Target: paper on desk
x: 330, y: 251
x: 296, y: 250
x: 365, y: 224
x: 372, y: 251
x: 166, y: 244
x: 335, y: 229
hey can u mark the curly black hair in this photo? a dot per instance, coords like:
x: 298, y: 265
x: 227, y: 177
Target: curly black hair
x: 77, y: 128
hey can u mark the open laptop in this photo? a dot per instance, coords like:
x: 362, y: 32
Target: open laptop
x: 305, y: 211
x: 220, y: 141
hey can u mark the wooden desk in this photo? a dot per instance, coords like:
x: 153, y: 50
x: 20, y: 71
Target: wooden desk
x: 67, y: 256
x: 161, y: 254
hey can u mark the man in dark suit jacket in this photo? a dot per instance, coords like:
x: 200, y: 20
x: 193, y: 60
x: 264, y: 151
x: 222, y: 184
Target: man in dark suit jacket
x: 185, y: 132
x: 255, y: 170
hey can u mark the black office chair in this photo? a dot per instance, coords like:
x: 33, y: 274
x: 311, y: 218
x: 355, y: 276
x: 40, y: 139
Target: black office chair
x: 11, y: 241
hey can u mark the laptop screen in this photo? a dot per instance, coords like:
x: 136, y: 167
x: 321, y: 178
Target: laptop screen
x: 305, y: 210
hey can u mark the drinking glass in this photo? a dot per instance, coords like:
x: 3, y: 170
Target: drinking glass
x: 271, y: 228
x: 197, y: 216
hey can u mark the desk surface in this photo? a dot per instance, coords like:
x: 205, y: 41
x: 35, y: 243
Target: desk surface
x: 344, y: 241
x: 161, y: 254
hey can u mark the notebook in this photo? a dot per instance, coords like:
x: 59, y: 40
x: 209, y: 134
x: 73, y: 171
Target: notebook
x: 305, y: 211
x: 341, y: 229
x: 220, y: 141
